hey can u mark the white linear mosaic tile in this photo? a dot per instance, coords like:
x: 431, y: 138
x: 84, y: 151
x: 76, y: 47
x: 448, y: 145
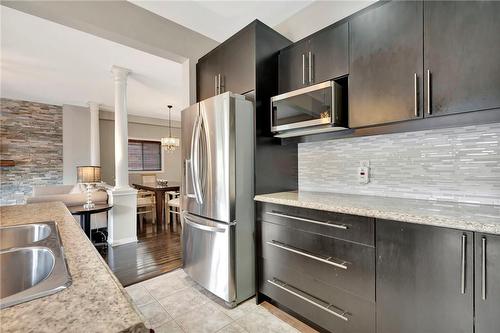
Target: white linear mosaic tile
x: 454, y: 164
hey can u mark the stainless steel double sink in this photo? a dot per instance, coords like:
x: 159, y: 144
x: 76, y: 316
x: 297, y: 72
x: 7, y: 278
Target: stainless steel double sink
x: 32, y: 263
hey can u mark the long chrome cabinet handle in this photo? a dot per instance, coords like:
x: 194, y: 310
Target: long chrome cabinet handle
x: 303, y: 68
x: 333, y: 225
x: 310, y: 66
x: 463, y: 263
x: 429, y: 109
x: 483, y: 268
x: 415, y: 79
x: 219, y: 81
x: 215, y: 85
x: 290, y: 249
x: 297, y: 292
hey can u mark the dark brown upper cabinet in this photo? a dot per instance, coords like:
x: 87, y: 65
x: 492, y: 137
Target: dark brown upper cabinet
x: 386, y: 64
x: 292, y: 67
x: 461, y: 48
x: 229, y: 67
x: 322, y: 56
x: 207, y: 73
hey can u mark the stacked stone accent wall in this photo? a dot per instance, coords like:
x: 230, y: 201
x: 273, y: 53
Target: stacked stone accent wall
x: 31, y: 136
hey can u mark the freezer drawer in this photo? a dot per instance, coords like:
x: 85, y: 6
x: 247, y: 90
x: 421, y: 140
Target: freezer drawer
x: 209, y: 253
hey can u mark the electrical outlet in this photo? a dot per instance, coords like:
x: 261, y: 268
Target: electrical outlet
x: 364, y: 172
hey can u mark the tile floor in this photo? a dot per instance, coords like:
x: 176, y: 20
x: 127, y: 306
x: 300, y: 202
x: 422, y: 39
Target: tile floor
x: 174, y: 303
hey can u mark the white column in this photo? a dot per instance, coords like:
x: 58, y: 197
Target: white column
x: 120, y: 76
x: 122, y: 219
x: 95, y: 150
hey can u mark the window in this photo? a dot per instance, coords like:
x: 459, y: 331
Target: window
x: 144, y: 155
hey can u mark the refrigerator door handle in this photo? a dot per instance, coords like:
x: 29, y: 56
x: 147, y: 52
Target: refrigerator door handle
x: 201, y: 226
x: 195, y: 147
x: 188, y: 173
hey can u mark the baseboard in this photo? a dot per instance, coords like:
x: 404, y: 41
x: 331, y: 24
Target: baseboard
x: 122, y: 241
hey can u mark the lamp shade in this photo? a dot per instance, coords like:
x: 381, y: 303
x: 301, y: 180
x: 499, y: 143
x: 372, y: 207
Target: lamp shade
x: 88, y: 174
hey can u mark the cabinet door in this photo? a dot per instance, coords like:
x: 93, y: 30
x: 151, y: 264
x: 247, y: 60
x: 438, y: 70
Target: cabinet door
x: 487, y: 283
x: 461, y: 48
x: 424, y: 279
x: 292, y: 67
x: 238, y: 63
x: 207, y: 69
x: 386, y: 55
x: 329, y: 54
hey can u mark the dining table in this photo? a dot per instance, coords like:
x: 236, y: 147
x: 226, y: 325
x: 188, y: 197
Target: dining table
x: 159, y: 192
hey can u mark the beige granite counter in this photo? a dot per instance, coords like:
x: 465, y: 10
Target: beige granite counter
x: 474, y: 217
x: 95, y: 301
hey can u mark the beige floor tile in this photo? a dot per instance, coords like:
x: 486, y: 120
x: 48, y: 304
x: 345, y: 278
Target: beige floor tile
x: 178, y: 272
x: 183, y: 301
x: 165, y: 285
x: 261, y: 321
x: 169, y: 327
x: 139, y: 295
x: 205, y: 318
x: 232, y: 328
x: 155, y: 314
x: 239, y: 311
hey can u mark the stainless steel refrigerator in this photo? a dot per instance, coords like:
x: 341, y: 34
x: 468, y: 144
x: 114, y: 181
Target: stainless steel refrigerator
x: 217, y: 196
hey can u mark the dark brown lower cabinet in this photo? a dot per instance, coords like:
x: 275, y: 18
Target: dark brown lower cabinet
x: 329, y: 307
x: 424, y: 279
x: 487, y: 276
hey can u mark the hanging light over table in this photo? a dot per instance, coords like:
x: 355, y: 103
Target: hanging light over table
x: 170, y: 143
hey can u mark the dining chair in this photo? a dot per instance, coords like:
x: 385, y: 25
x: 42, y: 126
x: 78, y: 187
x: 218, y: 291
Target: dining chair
x: 173, y: 208
x: 145, y: 205
x: 149, y: 179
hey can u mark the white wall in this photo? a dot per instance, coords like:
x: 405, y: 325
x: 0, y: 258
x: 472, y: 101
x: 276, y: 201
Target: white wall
x: 138, y: 128
x: 76, y: 140
x: 317, y: 16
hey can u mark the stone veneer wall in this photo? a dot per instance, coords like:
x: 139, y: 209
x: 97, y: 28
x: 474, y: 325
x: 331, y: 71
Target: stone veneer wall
x: 31, y: 135
x: 454, y: 164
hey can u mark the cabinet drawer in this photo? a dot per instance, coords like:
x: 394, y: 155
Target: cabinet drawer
x: 343, y: 226
x: 346, y: 265
x: 328, y: 307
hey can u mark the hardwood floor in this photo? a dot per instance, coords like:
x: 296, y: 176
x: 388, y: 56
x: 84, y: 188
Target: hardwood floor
x: 155, y: 253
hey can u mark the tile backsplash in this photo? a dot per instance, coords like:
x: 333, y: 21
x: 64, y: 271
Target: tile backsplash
x: 454, y: 164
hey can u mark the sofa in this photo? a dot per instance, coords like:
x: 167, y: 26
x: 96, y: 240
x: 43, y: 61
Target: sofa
x: 72, y: 195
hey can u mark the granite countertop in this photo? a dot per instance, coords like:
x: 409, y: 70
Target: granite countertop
x: 465, y: 216
x: 94, y: 302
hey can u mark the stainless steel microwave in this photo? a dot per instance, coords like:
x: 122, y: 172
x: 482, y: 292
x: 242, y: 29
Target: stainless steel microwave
x: 308, y: 110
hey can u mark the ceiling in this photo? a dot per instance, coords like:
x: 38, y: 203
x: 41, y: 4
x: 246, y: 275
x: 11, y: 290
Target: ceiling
x: 221, y: 19
x: 50, y: 63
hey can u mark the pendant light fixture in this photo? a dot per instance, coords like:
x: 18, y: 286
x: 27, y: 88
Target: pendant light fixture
x: 170, y: 143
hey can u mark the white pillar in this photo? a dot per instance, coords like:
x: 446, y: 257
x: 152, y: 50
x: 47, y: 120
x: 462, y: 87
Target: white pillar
x: 120, y: 76
x: 122, y: 220
x: 95, y: 151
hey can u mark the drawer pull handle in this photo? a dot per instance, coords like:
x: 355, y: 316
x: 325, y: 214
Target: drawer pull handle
x: 306, y: 297
x: 338, y: 226
x: 302, y: 253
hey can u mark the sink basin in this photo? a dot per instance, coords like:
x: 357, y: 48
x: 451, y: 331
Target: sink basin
x: 23, y: 235
x: 32, y: 263
x: 23, y: 268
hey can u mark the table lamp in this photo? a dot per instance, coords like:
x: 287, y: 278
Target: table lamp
x: 88, y: 175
